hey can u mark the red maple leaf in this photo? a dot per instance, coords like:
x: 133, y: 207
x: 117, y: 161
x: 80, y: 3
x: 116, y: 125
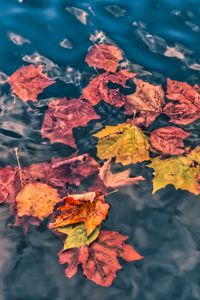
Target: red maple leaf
x: 104, y: 57
x: 99, y: 259
x: 169, y: 140
x: 62, y: 116
x: 29, y: 81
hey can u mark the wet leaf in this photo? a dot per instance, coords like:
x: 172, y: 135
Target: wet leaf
x: 76, y: 235
x: 100, y: 259
x: 62, y: 116
x: 119, y: 179
x: 29, y: 81
x: 89, y: 208
x: 180, y: 171
x: 36, y: 200
x: 147, y: 101
x: 104, y: 57
x: 169, y: 140
x: 186, y: 108
x: 125, y: 142
x: 98, y: 89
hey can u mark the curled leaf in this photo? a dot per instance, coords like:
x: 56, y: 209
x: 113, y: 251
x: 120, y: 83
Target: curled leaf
x: 36, y: 200
x: 62, y: 116
x: 100, y: 259
x: 169, y: 140
x: 125, y: 142
x: 104, y: 57
x: 89, y: 208
x: 29, y: 81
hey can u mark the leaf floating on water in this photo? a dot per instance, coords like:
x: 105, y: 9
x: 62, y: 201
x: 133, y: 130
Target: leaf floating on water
x: 29, y: 81
x: 183, y: 172
x: 119, y: 179
x: 80, y: 14
x: 100, y: 259
x: 125, y: 142
x: 62, y: 116
x: 169, y: 140
x: 98, y: 89
x: 36, y: 200
x: 186, y: 109
x: 104, y: 57
x: 76, y: 235
x: 147, y: 101
x: 89, y: 208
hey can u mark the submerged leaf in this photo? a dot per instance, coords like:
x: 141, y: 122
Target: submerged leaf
x: 62, y: 116
x: 125, y: 142
x: 89, y: 208
x: 186, y: 109
x: 99, y: 260
x: 105, y: 57
x: 36, y: 200
x: 169, y: 140
x: 181, y: 171
x: 29, y: 81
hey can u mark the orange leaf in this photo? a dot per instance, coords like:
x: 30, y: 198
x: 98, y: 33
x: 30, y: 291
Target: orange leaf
x: 29, y: 81
x: 105, y: 57
x: 89, y: 208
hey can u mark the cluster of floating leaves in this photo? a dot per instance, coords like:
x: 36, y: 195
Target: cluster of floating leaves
x: 48, y: 190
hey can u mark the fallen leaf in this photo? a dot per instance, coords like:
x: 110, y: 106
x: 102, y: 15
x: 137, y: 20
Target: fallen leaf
x: 89, y: 208
x: 169, y: 140
x: 119, y: 179
x: 36, y: 200
x: 29, y: 81
x: 186, y: 108
x: 180, y: 171
x: 147, y: 101
x: 104, y: 57
x: 98, y: 89
x: 125, y: 142
x: 99, y: 259
x: 76, y: 235
x: 62, y: 116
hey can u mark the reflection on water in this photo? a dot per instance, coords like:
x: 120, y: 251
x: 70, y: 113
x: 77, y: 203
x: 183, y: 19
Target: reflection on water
x: 159, y: 39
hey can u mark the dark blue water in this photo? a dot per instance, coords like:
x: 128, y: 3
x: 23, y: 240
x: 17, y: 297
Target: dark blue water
x: 160, y: 39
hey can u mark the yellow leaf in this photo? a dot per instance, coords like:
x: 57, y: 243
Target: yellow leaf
x: 181, y: 171
x: 125, y: 142
x: 36, y: 200
x: 76, y: 235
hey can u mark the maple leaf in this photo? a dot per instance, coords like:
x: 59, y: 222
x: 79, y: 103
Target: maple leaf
x: 99, y: 259
x: 104, y: 57
x: 125, y: 142
x: 62, y: 116
x: 36, y: 200
x: 29, y: 81
x: 169, y: 140
x: 76, y: 235
x: 89, y: 208
x: 116, y: 180
x: 98, y: 89
x: 186, y: 108
x: 181, y: 171
x: 147, y: 101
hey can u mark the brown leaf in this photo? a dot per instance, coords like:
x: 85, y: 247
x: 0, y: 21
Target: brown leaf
x: 36, y: 200
x: 98, y: 89
x: 89, y: 208
x: 29, y: 81
x: 62, y: 116
x: 116, y: 180
x: 147, y: 101
x: 169, y: 140
x: 186, y: 109
x: 99, y: 259
x: 104, y: 57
